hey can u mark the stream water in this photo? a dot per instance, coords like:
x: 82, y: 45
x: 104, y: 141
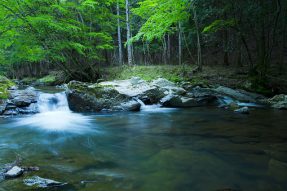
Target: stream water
x: 157, y: 149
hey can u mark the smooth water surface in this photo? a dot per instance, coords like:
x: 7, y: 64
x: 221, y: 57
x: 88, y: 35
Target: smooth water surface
x: 198, y: 149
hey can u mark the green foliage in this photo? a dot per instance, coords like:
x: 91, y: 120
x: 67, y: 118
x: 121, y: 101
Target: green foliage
x: 5, y: 83
x: 47, y: 80
x: 71, y: 34
x: 148, y: 73
x: 218, y: 25
x: 159, y: 16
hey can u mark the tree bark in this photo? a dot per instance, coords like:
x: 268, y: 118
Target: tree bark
x: 199, y: 56
x: 119, y: 35
x: 168, y: 49
x: 179, y: 44
x: 129, y: 46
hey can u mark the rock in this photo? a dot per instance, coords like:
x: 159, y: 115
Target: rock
x: 243, y: 110
x: 14, y: 172
x: 11, y: 112
x: 182, y: 101
x: 278, y: 101
x: 233, y: 105
x: 131, y: 88
x: 23, y: 98
x: 195, y: 98
x: 239, y: 95
x: 168, y: 87
x: 19, y: 102
x: 84, y: 97
x: 42, y: 182
x: 131, y: 106
x: 3, y: 104
x: 161, y: 82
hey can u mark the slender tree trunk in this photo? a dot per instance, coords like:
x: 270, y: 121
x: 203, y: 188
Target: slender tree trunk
x: 129, y: 46
x: 179, y: 44
x: 199, y: 56
x: 164, y: 51
x: 283, y: 37
x: 119, y: 35
x: 225, y: 45
x: 168, y: 49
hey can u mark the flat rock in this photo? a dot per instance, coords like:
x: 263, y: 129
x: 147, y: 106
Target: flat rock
x: 243, y: 110
x: 14, y: 172
x: 42, y: 182
x: 236, y: 94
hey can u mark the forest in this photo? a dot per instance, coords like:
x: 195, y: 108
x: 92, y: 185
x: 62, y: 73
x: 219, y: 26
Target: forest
x: 81, y: 37
x: 143, y: 95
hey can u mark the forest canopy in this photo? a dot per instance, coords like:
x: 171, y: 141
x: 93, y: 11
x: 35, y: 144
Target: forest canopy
x: 78, y: 37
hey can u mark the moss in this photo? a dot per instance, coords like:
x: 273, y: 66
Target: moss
x: 148, y: 73
x: 199, y: 81
x: 5, y: 84
x: 47, y: 80
x: 28, y: 80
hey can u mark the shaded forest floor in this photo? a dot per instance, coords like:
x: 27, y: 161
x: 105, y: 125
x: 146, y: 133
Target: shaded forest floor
x: 229, y: 76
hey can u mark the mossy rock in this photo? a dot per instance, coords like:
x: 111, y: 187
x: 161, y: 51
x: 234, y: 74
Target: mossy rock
x: 54, y: 78
x: 47, y: 80
x: 5, y: 84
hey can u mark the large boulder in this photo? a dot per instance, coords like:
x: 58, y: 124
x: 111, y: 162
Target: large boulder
x: 23, y: 98
x: 195, y: 98
x: 149, y: 93
x: 239, y: 95
x: 278, y: 101
x: 19, y: 102
x: 85, y: 97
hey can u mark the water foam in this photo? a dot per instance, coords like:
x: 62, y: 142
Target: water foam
x: 55, y: 115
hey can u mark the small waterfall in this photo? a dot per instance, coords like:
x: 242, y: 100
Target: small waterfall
x: 52, y: 102
x: 55, y: 115
x: 153, y: 108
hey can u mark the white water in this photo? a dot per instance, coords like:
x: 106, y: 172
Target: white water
x: 227, y: 100
x: 153, y: 108
x: 55, y: 115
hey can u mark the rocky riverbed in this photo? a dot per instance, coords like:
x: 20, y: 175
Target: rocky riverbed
x: 132, y: 94
x: 128, y: 95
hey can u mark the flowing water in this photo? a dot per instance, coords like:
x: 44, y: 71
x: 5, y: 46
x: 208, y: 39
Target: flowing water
x: 157, y: 149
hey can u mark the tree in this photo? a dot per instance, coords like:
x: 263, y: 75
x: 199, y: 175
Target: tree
x: 129, y: 46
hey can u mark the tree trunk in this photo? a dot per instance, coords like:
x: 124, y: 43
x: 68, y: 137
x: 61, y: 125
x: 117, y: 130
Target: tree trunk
x: 283, y: 37
x: 199, y: 56
x: 179, y: 44
x: 225, y: 45
x: 129, y: 47
x: 119, y: 36
x: 164, y: 50
x: 168, y: 49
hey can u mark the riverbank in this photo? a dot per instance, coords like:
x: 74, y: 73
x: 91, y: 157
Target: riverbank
x: 232, y: 77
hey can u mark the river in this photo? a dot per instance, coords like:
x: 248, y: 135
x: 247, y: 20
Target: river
x: 156, y: 149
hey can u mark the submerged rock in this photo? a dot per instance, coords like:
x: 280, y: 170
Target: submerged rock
x: 14, y: 172
x: 42, y: 182
x: 243, y: 110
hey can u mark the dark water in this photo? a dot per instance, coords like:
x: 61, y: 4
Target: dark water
x: 198, y: 149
